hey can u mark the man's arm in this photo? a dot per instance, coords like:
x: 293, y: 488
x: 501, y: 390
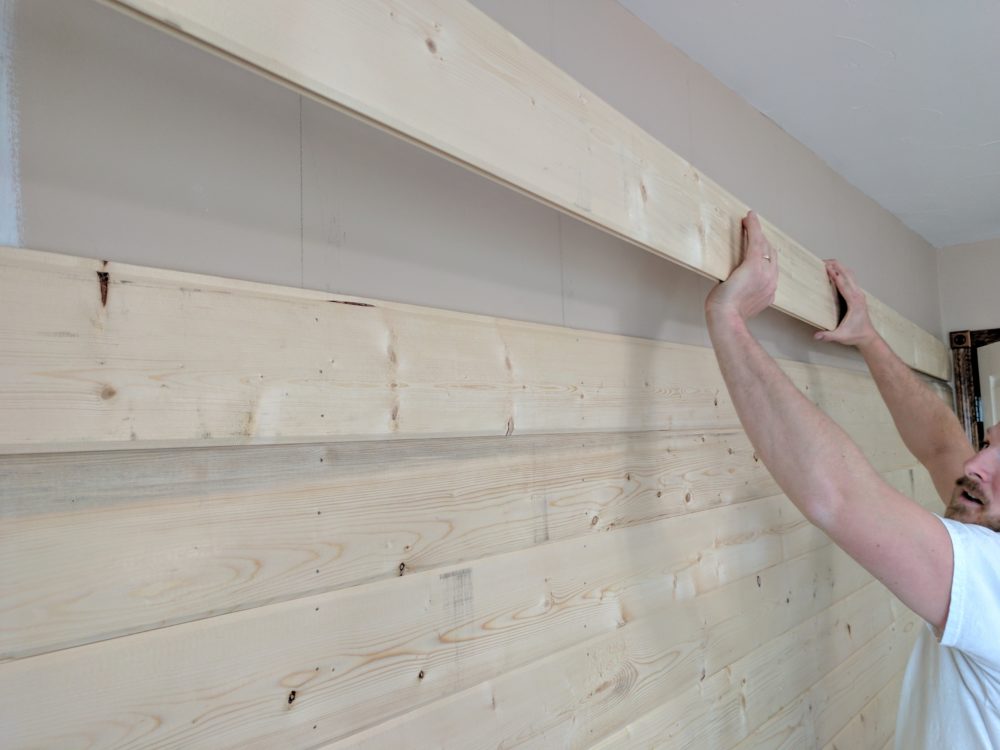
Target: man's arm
x: 929, y: 428
x: 816, y: 464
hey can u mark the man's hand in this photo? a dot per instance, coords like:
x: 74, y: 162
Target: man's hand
x: 928, y: 426
x: 856, y: 328
x: 751, y: 286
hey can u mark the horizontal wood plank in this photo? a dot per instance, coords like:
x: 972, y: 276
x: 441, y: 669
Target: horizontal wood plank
x: 766, y: 712
x: 875, y: 724
x: 720, y: 712
x: 434, y: 633
x: 862, y: 686
x: 445, y: 76
x: 98, y: 355
x: 576, y: 696
x: 127, y: 541
x: 130, y: 541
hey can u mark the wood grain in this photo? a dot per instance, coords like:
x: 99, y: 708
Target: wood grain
x: 875, y: 724
x: 558, y: 490
x: 861, y: 691
x: 98, y: 355
x: 721, y: 712
x: 716, y: 716
x: 130, y: 541
x: 599, y: 685
x: 445, y: 76
x: 435, y: 633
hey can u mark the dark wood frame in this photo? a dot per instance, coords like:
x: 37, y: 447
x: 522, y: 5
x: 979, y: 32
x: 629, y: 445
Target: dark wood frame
x: 964, y: 346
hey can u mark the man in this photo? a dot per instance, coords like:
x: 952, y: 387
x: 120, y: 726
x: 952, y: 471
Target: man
x: 947, y: 570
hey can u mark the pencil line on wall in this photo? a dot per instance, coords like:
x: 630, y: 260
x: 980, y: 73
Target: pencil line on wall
x: 302, y: 231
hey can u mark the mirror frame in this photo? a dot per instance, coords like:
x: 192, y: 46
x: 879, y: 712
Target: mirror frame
x: 968, y: 392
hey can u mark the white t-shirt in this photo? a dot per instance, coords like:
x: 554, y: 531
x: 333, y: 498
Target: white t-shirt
x: 951, y: 689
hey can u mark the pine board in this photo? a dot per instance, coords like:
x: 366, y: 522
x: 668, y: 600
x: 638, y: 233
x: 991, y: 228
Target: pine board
x: 720, y: 713
x: 715, y: 715
x: 444, y: 75
x: 576, y: 696
x: 875, y: 724
x: 97, y: 355
x: 193, y: 685
x: 130, y: 541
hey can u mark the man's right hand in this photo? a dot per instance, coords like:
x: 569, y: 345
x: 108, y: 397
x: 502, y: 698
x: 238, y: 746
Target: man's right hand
x: 856, y: 328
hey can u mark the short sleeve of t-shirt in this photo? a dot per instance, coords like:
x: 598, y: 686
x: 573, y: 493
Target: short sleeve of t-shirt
x: 974, y: 614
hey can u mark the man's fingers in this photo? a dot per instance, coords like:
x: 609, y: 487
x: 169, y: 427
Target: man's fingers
x: 833, y: 272
x: 843, y: 280
x: 828, y: 336
x: 757, y: 246
x: 752, y: 227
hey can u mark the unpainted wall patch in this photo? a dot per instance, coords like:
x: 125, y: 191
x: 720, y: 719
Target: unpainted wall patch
x: 10, y: 140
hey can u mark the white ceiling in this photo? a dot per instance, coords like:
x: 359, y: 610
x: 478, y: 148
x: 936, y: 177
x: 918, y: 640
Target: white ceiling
x: 901, y: 97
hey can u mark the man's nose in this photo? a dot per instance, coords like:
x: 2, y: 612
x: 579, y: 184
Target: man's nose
x: 978, y: 468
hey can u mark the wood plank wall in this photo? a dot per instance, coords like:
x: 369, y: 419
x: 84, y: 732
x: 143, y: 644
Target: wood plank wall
x: 461, y: 85
x: 464, y: 532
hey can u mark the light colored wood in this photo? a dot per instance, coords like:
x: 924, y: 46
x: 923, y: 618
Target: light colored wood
x: 720, y: 712
x: 576, y: 696
x: 445, y: 76
x: 354, y: 656
x: 875, y: 724
x: 914, y: 346
x: 527, y: 573
x: 840, y: 695
x: 241, y: 527
x: 167, y: 359
x: 715, y: 714
x: 724, y: 709
x: 354, y: 513
x: 812, y: 719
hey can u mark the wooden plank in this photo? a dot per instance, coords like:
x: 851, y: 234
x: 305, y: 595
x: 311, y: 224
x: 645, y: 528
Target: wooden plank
x: 715, y: 714
x: 625, y: 575
x: 864, y: 687
x: 720, y: 712
x: 242, y: 527
x: 445, y: 76
x: 875, y: 724
x: 842, y: 698
x: 100, y: 355
x: 725, y: 708
x: 914, y: 346
x: 97, y: 545
x: 227, y: 680
x: 576, y: 696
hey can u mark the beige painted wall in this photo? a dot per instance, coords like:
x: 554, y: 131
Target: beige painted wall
x: 968, y: 277
x: 137, y: 147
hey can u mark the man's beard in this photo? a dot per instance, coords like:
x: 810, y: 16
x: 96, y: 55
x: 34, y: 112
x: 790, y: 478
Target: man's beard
x: 959, y: 509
